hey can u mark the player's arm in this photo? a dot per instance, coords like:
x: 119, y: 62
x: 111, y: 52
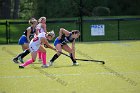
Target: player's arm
x: 46, y: 43
x: 44, y: 27
x: 28, y: 34
x: 63, y: 31
x: 37, y: 30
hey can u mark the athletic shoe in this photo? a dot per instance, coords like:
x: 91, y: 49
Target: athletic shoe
x: 21, y: 67
x: 45, y: 66
x: 76, y: 64
x: 20, y: 59
x: 15, y: 60
x: 50, y: 63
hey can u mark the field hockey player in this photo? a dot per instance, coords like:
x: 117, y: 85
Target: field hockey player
x: 35, y: 45
x: 61, y: 41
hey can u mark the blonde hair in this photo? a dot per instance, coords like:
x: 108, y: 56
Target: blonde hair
x: 32, y: 20
x: 51, y: 33
x: 41, y: 18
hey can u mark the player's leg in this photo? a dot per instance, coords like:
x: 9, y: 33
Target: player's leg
x: 39, y: 55
x: 30, y: 61
x: 24, y: 44
x: 25, y: 47
x: 57, y: 44
x: 59, y: 48
x: 71, y: 52
x: 22, y: 55
x: 43, y: 56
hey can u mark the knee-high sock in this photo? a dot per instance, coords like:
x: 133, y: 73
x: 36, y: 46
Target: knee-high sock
x: 39, y: 54
x: 54, y: 58
x: 23, y: 54
x: 73, y: 60
x: 27, y: 62
x: 43, y: 58
x: 26, y: 52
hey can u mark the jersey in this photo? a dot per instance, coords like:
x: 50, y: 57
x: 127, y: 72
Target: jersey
x: 39, y: 27
x: 23, y: 38
x: 31, y: 33
x: 64, y: 40
x: 36, y: 42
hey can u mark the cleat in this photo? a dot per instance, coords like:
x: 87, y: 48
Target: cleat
x: 15, y: 60
x: 21, y: 67
x: 45, y: 66
x: 20, y: 59
x: 50, y: 63
x: 75, y: 64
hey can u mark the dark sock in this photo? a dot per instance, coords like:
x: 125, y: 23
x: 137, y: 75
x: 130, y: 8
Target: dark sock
x: 25, y: 53
x: 73, y: 60
x: 54, y: 58
x: 18, y: 56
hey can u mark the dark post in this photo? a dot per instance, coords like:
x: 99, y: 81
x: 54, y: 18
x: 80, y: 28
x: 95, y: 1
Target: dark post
x: 5, y: 9
x: 118, y: 29
x: 81, y: 20
x: 7, y: 32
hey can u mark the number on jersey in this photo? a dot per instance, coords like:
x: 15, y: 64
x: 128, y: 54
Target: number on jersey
x: 35, y: 39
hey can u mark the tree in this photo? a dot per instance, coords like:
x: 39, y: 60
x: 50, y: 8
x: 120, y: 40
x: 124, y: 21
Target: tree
x: 101, y: 11
x: 5, y: 9
x: 28, y: 9
x: 16, y: 9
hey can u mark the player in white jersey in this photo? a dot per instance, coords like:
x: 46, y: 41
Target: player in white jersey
x: 41, y: 27
x: 36, y: 42
x: 35, y: 45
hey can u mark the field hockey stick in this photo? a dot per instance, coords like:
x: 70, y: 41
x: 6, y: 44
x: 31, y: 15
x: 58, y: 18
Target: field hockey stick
x: 83, y: 59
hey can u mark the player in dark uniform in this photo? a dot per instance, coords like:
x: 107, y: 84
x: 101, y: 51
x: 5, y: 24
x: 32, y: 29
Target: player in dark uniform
x: 25, y: 40
x: 61, y: 41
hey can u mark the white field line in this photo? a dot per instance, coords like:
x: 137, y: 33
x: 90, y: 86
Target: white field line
x: 64, y: 75
x: 100, y: 73
x: 122, y: 44
x: 36, y: 76
x: 18, y: 76
x: 123, y: 73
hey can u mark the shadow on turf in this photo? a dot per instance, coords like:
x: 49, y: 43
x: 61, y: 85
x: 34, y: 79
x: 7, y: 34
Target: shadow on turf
x: 64, y: 66
x: 54, y: 66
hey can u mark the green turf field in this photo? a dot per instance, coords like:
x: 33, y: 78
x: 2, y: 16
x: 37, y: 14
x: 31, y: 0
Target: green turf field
x: 120, y: 74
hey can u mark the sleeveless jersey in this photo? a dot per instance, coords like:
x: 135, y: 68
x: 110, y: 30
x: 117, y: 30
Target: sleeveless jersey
x: 66, y: 39
x: 36, y: 42
x: 31, y: 33
x: 40, y: 29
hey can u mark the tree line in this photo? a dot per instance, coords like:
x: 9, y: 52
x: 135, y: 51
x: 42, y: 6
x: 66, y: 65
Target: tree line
x: 24, y: 9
